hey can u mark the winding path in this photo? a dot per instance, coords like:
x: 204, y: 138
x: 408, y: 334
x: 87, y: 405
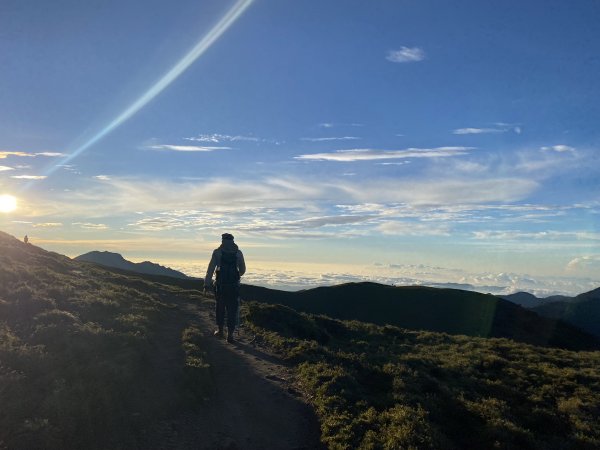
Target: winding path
x: 253, y: 405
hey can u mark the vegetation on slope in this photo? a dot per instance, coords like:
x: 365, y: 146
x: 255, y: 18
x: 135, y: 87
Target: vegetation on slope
x: 78, y: 345
x: 386, y: 387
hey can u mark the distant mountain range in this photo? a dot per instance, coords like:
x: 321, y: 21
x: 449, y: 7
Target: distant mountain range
x: 527, y: 300
x: 117, y: 261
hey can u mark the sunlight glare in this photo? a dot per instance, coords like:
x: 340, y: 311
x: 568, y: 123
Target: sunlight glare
x: 8, y: 203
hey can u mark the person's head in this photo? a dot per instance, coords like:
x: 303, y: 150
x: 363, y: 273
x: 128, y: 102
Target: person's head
x: 227, y: 237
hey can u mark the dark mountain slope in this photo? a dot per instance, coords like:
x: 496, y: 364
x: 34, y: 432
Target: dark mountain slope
x: 117, y: 261
x: 583, y: 311
x: 423, y: 308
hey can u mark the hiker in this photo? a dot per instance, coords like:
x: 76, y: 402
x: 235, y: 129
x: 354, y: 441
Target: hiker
x: 26, y: 239
x: 229, y: 263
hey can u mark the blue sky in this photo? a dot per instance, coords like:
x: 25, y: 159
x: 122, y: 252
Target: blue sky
x: 400, y: 141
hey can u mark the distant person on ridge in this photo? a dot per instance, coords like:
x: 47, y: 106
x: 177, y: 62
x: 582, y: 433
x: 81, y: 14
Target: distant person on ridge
x: 26, y: 239
x: 229, y: 263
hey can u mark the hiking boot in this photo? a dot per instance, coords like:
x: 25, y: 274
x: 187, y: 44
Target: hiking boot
x: 230, y: 337
x: 218, y: 333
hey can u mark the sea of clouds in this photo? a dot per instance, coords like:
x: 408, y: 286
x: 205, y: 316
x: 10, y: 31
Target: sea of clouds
x: 405, y: 275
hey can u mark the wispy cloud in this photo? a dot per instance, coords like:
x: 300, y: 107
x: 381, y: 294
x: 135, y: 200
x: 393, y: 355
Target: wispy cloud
x: 371, y: 154
x: 325, y: 139
x: 29, y: 177
x: 216, y: 138
x: 308, y: 196
x: 405, y: 55
x: 50, y: 154
x: 6, y: 168
x: 584, y: 262
x: 338, y: 124
x: 411, y: 228
x: 102, y: 177
x: 187, y: 148
x: 549, y: 160
x: 478, y: 130
x: 499, y: 127
x: 48, y: 225
x: 91, y: 226
x: 538, y: 235
x: 317, y: 222
x: 559, y: 149
x: 6, y: 154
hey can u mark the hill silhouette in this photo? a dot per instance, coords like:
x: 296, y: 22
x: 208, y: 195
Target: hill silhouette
x: 528, y: 300
x: 423, y: 308
x: 582, y: 311
x: 115, y: 260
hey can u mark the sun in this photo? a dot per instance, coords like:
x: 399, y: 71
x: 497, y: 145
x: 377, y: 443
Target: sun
x: 8, y: 203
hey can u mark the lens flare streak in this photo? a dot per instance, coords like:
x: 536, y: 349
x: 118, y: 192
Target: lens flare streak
x: 184, y: 63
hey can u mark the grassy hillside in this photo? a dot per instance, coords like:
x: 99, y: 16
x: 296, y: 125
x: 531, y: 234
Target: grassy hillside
x: 422, y: 308
x: 377, y: 387
x: 78, y: 353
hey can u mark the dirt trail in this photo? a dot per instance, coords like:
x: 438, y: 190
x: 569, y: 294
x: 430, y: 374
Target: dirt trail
x: 253, y: 406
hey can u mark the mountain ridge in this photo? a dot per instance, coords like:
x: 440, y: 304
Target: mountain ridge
x: 582, y: 311
x: 433, y: 309
x: 117, y: 261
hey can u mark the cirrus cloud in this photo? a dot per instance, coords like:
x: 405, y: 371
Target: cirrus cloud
x: 187, y: 148
x: 365, y: 154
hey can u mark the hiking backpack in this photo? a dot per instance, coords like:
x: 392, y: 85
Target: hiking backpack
x: 228, y: 272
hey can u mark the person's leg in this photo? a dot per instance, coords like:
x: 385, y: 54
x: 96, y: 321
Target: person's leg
x: 232, y: 314
x: 230, y: 294
x: 219, y: 313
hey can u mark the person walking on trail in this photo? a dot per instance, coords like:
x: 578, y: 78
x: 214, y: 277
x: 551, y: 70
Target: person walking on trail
x: 228, y: 262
